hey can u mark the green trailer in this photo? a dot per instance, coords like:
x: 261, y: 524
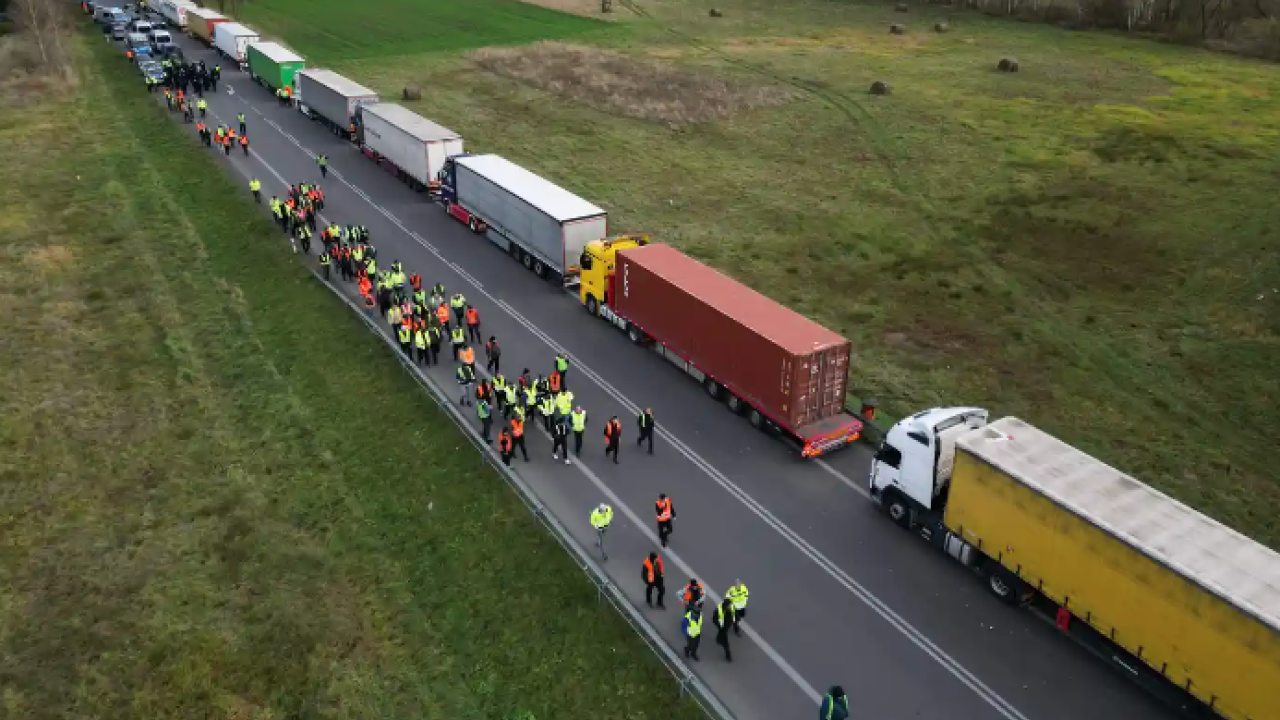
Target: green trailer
x: 273, y: 66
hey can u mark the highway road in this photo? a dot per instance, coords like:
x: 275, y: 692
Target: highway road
x: 838, y: 593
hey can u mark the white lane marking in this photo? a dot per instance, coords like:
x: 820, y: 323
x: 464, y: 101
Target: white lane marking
x: 861, y: 490
x: 872, y: 601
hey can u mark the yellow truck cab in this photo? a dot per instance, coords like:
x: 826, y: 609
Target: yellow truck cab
x: 596, y: 267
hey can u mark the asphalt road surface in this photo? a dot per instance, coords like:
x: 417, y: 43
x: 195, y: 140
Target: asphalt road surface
x: 839, y: 595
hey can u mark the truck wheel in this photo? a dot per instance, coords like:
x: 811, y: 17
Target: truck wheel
x: 636, y: 334
x: 736, y: 404
x: 756, y: 419
x: 713, y: 388
x: 528, y: 261
x: 593, y: 307
x: 897, y: 509
x: 1004, y: 585
x: 539, y: 269
x: 475, y: 226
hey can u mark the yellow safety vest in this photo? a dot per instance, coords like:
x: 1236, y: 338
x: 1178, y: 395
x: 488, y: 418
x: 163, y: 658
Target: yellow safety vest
x: 695, y: 626
x: 579, y: 421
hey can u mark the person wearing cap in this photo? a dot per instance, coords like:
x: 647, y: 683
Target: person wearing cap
x: 645, y: 422
x: 835, y: 706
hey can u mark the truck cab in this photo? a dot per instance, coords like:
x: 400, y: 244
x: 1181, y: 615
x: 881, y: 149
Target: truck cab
x: 596, y: 266
x: 447, y: 179
x: 911, y: 473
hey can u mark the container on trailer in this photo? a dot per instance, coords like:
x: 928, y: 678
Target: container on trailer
x: 202, y: 21
x: 273, y: 64
x: 549, y: 223
x: 232, y: 39
x: 1195, y: 600
x: 332, y: 96
x: 176, y: 11
x: 413, y: 144
x: 788, y: 367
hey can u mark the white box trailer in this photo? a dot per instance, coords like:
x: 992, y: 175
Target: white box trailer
x: 175, y: 11
x: 414, y: 146
x: 536, y: 221
x: 330, y: 99
x: 232, y: 39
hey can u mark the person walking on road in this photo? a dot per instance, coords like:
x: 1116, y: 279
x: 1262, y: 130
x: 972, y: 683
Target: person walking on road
x: 666, y: 513
x: 323, y: 162
x: 738, y: 594
x: 255, y: 187
x: 692, y: 627
x: 651, y: 573
x: 406, y: 340
x: 517, y: 435
x: 505, y: 445
x: 547, y: 410
x: 601, y: 517
x: 473, y: 324
x: 457, y: 338
x: 244, y: 144
x: 562, y: 367
x: 459, y: 305
x: 434, y: 341
x: 835, y: 705
x: 560, y: 442
x: 578, y: 423
x: 692, y: 594
x: 724, y: 621
x: 612, y: 436
x: 485, y: 413
x: 466, y: 378
x: 324, y: 263
x: 420, y: 342
x: 244, y: 127
x: 645, y: 422
x: 493, y: 356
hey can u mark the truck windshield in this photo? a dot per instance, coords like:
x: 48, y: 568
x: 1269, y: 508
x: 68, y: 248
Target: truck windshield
x: 889, y: 455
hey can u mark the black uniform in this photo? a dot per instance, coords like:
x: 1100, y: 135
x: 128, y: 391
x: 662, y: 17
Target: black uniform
x: 645, y: 422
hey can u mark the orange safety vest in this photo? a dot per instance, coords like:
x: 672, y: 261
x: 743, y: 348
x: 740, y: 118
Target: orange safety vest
x: 244, y: 140
x: 442, y: 313
x: 517, y: 427
x: 648, y: 568
x: 473, y: 317
x: 612, y: 429
x: 689, y: 592
x: 554, y: 380
x: 663, y: 509
x: 415, y: 281
x: 504, y: 442
x: 468, y: 356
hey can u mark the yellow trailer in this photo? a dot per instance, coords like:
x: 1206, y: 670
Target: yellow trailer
x: 1163, y: 590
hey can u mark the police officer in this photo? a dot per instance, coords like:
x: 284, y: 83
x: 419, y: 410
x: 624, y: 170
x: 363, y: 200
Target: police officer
x: 324, y: 263
x: 255, y: 187
x: 738, y: 594
x: 835, y: 705
x: 692, y: 627
x: 559, y: 441
x: 562, y: 367
x: 466, y: 376
x: 485, y: 413
x: 458, y: 338
x: 645, y: 422
x: 724, y: 621
x: 244, y: 127
x: 547, y: 409
x: 420, y: 345
x: 459, y: 305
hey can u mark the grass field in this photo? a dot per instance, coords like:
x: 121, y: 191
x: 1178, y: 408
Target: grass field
x: 221, y: 497
x: 1088, y: 243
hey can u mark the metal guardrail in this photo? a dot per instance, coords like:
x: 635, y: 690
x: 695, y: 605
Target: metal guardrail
x: 606, y: 589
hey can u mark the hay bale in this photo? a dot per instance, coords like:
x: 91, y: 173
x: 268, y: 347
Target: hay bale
x: 880, y: 87
x: 897, y: 29
x: 411, y: 93
x: 1008, y: 64
x: 941, y: 27
x: 900, y: 7
x: 715, y: 13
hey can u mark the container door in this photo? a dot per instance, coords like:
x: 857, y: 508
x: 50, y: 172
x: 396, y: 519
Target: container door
x: 820, y: 387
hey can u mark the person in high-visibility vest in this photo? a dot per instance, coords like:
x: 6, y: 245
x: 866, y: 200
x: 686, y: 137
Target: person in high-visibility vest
x: 645, y: 423
x: 547, y: 409
x: 406, y: 339
x: 666, y: 512
x: 466, y: 376
x: 562, y: 367
x: 738, y: 594
x: 442, y: 315
x: 473, y: 324
x: 651, y: 573
x: 457, y: 338
x: 459, y: 304
x: 255, y: 187
x: 434, y: 336
x: 612, y: 436
x: 468, y: 357
x: 835, y: 705
x: 324, y: 263
x: 509, y: 398
x: 485, y: 413
x: 692, y: 627
x: 504, y: 445
x: 420, y: 344
x: 578, y: 424
x: 724, y: 621
x: 559, y: 441
x: 693, y: 593
x: 517, y: 436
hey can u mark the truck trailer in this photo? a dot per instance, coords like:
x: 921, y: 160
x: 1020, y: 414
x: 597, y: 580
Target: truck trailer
x: 787, y: 373
x: 274, y: 66
x: 537, y: 222
x: 175, y: 11
x: 231, y: 40
x: 1184, y: 605
x: 201, y: 23
x: 331, y: 100
x: 404, y: 142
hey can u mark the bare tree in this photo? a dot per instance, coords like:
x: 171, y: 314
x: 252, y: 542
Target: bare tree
x: 45, y: 22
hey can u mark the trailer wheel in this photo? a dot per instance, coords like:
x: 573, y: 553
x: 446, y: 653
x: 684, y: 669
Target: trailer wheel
x: 735, y: 404
x: 1004, y: 585
x: 713, y: 388
x: 473, y: 225
x: 593, y: 306
x: 756, y: 419
x: 636, y: 334
x: 539, y: 269
x: 528, y: 261
x: 895, y: 506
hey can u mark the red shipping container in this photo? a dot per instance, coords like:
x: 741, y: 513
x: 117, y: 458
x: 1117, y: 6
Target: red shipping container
x: 790, y: 368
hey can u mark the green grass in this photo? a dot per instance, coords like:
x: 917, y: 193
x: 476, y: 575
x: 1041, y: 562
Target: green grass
x: 1089, y: 244
x: 221, y: 496
x: 333, y: 30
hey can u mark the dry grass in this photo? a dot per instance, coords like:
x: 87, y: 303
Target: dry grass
x: 628, y: 86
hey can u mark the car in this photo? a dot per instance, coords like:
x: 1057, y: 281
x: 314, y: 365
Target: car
x: 152, y: 71
x: 143, y: 57
x: 161, y: 42
x: 119, y: 31
x: 138, y: 43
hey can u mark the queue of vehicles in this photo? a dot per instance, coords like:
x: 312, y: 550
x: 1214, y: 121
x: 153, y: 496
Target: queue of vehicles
x: 1184, y: 605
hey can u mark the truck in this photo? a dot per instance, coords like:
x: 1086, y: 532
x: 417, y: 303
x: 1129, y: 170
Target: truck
x: 231, y: 40
x: 176, y: 11
x: 785, y: 372
x: 538, y: 223
x: 201, y: 23
x: 1184, y: 605
x: 331, y: 100
x: 274, y: 66
x: 404, y: 142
